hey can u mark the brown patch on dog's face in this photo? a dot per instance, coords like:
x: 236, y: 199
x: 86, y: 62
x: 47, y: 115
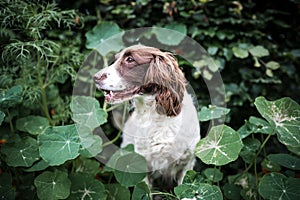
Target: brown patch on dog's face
x: 138, y: 70
x: 133, y: 66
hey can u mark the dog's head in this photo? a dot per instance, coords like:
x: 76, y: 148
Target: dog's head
x: 140, y: 70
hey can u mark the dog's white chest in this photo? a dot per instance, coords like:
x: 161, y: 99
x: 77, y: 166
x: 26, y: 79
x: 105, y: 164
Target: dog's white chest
x: 165, y: 142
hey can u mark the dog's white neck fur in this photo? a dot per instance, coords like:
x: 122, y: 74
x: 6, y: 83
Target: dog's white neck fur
x: 167, y: 143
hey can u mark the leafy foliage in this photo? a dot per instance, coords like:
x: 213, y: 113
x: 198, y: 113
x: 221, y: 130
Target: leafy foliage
x: 52, y: 185
x: 49, y: 137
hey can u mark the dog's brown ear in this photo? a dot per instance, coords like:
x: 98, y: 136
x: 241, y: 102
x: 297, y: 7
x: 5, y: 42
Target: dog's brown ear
x: 169, y: 82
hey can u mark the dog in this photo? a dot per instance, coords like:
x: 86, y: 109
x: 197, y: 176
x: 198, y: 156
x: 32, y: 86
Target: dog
x: 163, y: 126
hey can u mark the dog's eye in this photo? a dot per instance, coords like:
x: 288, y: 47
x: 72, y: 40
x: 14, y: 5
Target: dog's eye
x: 130, y: 59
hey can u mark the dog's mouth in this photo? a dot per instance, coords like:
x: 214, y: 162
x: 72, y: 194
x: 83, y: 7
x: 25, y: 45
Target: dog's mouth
x: 115, y: 96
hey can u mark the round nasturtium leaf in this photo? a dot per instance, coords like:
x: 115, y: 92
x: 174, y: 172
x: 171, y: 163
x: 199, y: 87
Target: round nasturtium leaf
x: 232, y: 191
x: 278, y: 186
x: 91, y: 144
x: 213, y: 174
x: 21, y: 153
x: 284, y: 117
x: 52, y: 185
x: 259, y: 125
x: 221, y: 146
x: 259, y: 51
x: 285, y: 160
x: 198, y: 191
x: 117, y: 191
x: 193, y: 177
x: 212, y: 112
x: 38, y: 166
x: 130, y: 169
x: 295, y: 150
x: 87, y: 112
x: 249, y: 193
x: 32, y: 124
x: 248, y: 152
x: 141, y: 191
x: 266, y: 164
x: 102, y: 32
x: 86, y: 187
x: 59, y: 144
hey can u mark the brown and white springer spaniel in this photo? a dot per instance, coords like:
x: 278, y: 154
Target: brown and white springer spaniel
x: 163, y: 127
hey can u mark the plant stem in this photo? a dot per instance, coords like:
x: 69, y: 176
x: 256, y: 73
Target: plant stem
x: 42, y: 87
x: 12, y: 130
x: 258, y: 152
x: 163, y: 193
x: 120, y: 131
x: 112, y: 107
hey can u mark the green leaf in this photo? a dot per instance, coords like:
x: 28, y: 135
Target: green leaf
x: 21, y: 153
x: 245, y: 130
x: 272, y: 65
x: 231, y: 191
x: 117, y: 192
x: 245, y: 180
x: 208, y: 62
x: 11, y: 97
x: 255, y: 125
x: 269, y: 73
x: 86, y: 111
x: 249, y: 193
x: 7, y: 192
x: 295, y: 150
x: 227, y: 53
x: 32, y: 124
x: 270, y: 166
x: 248, y: 152
x: 85, y: 187
x: 207, y: 74
x: 240, y: 52
x: 212, y: 174
x: 130, y: 169
x: 198, y: 192
x: 111, y: 164
x: 91, y: 144
x: 172, y: 34
x: 141, y: 191
x: 52, y: 185
x: 193, y: 177
x: 59, y: 144
x: 277, y: 186
x: 259, y: 125
x: 38, y: 166
x: 295, y: 53
x: 285, y: 160
x: 259, y: 51
x: 221, y: 146
x: 212, y: 112
x: 212, y: 50
x: 2, y: 116
x: 284, y: 117
x: 87, y: 166
x: 105, y: 37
